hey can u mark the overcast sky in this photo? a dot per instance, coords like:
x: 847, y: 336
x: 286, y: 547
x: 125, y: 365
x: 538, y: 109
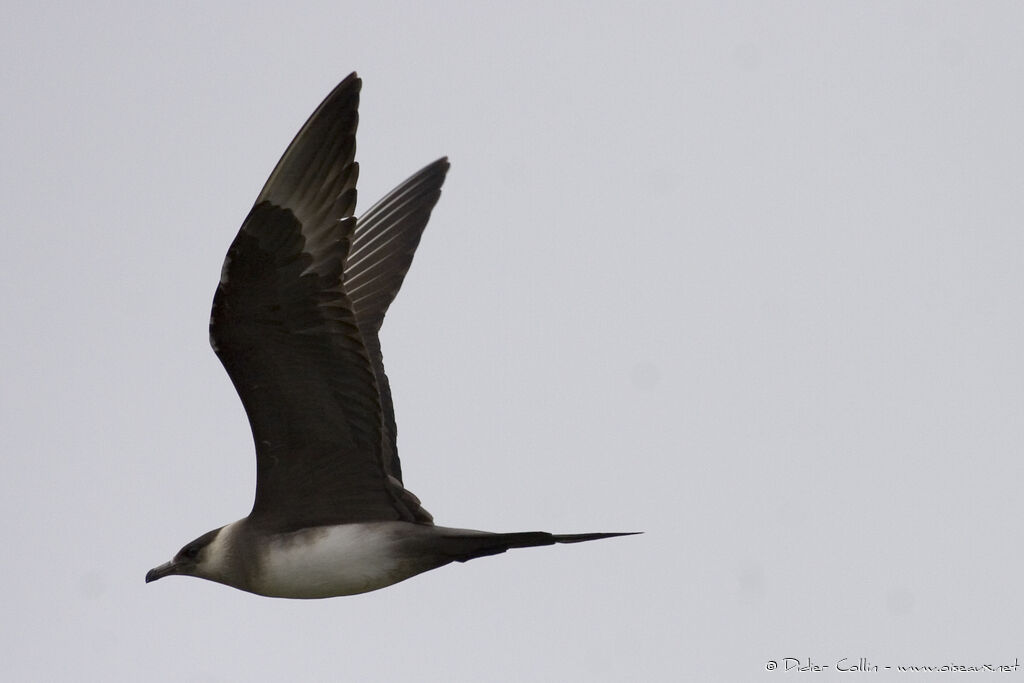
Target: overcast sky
x: 744, y: 276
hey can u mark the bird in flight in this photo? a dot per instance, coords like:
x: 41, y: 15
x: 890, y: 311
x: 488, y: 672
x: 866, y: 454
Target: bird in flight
x: 295, y: 321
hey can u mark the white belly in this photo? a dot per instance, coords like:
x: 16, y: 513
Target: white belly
x: 332, y: 560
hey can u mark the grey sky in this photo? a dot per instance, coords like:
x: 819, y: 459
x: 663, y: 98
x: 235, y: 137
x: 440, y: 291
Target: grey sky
x: 745, y: 276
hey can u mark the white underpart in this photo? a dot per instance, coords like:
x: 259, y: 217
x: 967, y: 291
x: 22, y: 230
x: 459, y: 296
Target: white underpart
x: 335, y: 560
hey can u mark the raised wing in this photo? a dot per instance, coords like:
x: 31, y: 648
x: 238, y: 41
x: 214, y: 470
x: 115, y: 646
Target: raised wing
x: 285, y: 331
x: 385, y: 240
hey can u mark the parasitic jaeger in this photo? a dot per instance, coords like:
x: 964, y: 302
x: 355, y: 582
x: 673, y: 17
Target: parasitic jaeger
x: 295, y: 321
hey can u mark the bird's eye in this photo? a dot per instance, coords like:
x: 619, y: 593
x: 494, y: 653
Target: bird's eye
x: 190, y: 552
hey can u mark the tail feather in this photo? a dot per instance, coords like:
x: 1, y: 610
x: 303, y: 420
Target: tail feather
x: 579, y: 538
x: 467, y: 547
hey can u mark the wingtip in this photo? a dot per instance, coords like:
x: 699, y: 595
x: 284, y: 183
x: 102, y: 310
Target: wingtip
x: 435, y: 169
x: 350, y: 82
x: 441, y: 167
x: 443, y: 164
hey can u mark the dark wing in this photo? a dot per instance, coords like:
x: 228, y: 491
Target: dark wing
x: 385, y: 240
x: 286, y: 333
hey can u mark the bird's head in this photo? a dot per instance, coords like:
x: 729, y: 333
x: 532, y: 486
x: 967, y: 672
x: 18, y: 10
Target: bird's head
x: 199, y: 558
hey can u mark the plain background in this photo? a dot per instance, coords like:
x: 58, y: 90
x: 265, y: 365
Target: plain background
x: 744, y: 276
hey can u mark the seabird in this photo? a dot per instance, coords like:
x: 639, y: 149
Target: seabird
x: 295, y: 321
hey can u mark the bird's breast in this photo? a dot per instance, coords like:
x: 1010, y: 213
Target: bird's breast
x: 328, y: 561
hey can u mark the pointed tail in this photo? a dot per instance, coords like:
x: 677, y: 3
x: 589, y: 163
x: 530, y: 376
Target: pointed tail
x: 463, y: 547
